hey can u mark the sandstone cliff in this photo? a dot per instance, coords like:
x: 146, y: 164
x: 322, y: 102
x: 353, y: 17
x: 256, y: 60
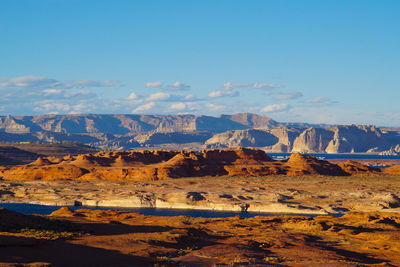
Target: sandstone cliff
x: 153, y: 138
x: 286, y: 137
x: 312, y: 140
x: 121, y: 132
x: 241, y: 138
x: 393, y: 151
x: 337, y: 139
x: 356, y: 138
x: 127, y: 123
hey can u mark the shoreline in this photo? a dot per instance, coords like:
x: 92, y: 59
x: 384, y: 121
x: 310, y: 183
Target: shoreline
x: 316, y: 195
x: 177, y: 208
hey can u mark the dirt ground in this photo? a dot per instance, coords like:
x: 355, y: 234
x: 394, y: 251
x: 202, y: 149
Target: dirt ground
x: 118, y: 238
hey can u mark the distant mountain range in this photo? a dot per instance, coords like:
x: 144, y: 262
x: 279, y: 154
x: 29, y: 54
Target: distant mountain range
x: 120, y: 131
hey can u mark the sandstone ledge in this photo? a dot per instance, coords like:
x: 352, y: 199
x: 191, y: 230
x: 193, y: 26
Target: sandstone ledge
x: 270, y: 194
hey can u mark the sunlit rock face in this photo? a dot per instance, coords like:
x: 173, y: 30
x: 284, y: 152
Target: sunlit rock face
x: 127, y: 131
x: 156, y: 165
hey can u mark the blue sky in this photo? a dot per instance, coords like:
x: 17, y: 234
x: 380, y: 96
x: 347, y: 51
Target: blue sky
x: 297, y: 61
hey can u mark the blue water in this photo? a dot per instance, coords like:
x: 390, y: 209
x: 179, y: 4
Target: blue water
x: 338, y: 156
x: 45, y: 210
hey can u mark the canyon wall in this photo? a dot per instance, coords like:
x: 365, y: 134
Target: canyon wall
x: 122, y: 132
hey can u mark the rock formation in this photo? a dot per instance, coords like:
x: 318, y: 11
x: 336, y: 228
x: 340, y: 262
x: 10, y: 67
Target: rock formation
x: 122, y: 132
x: 241, y: 138
x: 156, y: 165
x: 337, y: 139
x: 356, y: 138
x: 312, y: 140
x: 353, y: 167
x: 393, y: 151
x: 124, y: 123
x: 286, y: 137
x: 14, y: 154
x: 157, y: 138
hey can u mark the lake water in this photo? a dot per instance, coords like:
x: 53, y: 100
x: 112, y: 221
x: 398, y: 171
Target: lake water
x: 336, y: 156
x: 45, y: 210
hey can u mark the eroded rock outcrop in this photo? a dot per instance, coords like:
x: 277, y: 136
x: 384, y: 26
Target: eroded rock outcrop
x: 354, y: 167
x: 124, y: 132
x: 312, y: 140
x: 156, y: 165
x: 241, y: 138
x: 356, y: 138
x: 393, y: 151
x: 124, y: 123
x: 337, y: 139
x: 300, y: 164
x: 156, y: 138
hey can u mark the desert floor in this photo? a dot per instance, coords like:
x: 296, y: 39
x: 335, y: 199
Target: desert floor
x: 301, y: 194
x: 119, y: 238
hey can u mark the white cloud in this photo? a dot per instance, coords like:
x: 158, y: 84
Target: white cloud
x: 178, y: 106
x: 229, y: 88
x: 266, y: 85
x: 78, y: 93
x: 214, y: 107
x: 144, y: 107
x: 153, y: 84
x: 252, y: 85
x: 132, y: 96
x: 52, y: 91
x: 35, y: 82
x: 275, y: 108
x: 51, y: 106
x: 221, y: 93
x: 27, y: 81
x: 82, y: 107
x: 160, y: 96
x: 87, y: 83
x: 177, y: 86
x: 318, y: 100
x: 321, y: 100
x: 290, y: 95
x: 190, y: 97
x: 57, y: 107
x: 184, y: 106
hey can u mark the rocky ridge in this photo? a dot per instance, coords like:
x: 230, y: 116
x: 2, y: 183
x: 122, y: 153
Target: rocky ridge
x: 336, y: 139
x: 122, y: 132
x: 119, y: 124
x: 159, y: 165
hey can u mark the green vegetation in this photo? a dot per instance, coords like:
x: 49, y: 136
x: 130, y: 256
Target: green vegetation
x: 184, y: 251
x: 48, y: 234
x: 39, y: 227
x: 272, y: 259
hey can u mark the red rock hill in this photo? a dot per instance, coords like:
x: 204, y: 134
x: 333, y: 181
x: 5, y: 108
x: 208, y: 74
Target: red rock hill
x: 155, y: 165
